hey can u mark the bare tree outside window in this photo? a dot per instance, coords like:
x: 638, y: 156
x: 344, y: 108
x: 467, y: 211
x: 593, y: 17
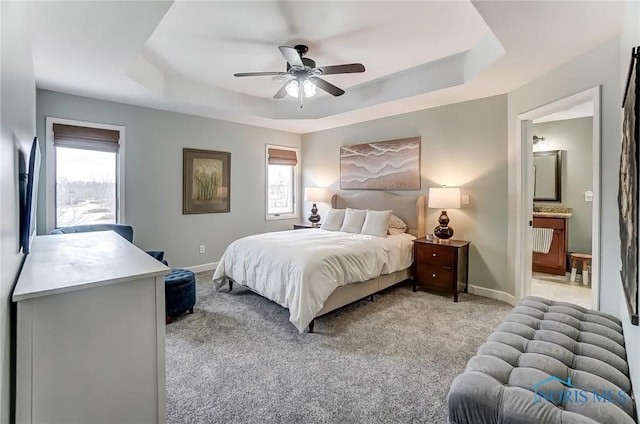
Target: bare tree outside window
x: 85, y: 187
x: 281, y: 184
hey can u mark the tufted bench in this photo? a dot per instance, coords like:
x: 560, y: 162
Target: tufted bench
x: 548, y: 362
x: 179, y: 292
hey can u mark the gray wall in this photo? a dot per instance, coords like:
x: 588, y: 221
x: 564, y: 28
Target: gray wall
x: 598, y: 67
x: 574, y: 137
x: 604, y: 67
x: 463, y: 145
x: 17, y: 128
x: 153, y: 174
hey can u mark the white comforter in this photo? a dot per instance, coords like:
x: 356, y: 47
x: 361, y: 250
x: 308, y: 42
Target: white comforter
x: 299, y: 269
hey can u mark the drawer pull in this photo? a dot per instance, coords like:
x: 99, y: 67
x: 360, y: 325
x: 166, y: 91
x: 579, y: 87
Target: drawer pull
x: 434, y: 255
x: 433, y: 275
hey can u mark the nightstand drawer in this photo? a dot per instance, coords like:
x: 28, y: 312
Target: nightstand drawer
x: 434, y: 254
x: 434, y: 277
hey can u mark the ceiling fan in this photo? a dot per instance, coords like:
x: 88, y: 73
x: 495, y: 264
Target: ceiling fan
x: 306, y: 76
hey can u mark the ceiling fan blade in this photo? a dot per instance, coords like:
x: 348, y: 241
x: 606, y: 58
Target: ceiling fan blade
x: 258, y: 74
x: 327, y: 86
x: 292, y: 56
x: 282, y: 92
x: 351, y: 68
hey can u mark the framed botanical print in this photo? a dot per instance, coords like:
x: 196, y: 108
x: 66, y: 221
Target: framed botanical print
x: 205, y: 181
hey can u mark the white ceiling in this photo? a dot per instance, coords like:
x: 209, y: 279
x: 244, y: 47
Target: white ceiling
x: 181, y: 56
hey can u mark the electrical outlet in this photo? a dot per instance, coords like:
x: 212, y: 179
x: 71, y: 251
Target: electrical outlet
x: 202, y: 249
x: 465, y: 199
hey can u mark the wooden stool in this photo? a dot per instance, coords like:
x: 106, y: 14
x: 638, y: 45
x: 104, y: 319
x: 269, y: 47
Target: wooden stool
x: 586, y: 259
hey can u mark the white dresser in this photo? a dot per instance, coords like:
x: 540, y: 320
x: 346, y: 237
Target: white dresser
x: 90, y: 332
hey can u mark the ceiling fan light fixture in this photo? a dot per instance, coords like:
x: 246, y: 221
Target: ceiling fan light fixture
x: 292, y: 88
x: 305, y: 75
x: 310, y: 88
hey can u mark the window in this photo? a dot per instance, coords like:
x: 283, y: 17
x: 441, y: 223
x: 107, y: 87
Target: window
x: 85, y: 163
x: 282, y: 175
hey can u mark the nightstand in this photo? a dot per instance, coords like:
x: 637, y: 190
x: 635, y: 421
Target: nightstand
x: 304, y: 226
x: 441, y: 265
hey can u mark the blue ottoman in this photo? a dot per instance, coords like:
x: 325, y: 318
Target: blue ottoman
x: 179, y: 292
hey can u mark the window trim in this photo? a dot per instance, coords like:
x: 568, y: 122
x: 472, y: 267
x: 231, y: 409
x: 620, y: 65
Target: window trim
x: 50, y: 163
x: 296, y: 184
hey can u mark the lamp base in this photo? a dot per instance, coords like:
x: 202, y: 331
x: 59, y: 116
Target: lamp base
x: 314, y: 218
x: 443, y: 232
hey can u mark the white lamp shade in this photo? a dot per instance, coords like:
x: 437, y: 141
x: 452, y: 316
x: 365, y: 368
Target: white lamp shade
x: 444, y: 198
x: 315, y: 194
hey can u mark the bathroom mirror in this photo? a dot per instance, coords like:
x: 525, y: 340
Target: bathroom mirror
x: 547, y: 174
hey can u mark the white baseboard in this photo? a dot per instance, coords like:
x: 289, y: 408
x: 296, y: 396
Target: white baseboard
x: 202, y: 268
x: 493, y: 294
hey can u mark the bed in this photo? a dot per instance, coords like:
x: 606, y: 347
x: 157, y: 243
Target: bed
x: 313, y: 272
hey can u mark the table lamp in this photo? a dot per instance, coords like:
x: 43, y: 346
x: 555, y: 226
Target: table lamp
x: 444, y: 198
x: 315, y: 194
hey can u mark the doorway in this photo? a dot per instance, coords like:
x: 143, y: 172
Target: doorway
x: 562, y: 205
x: 552, y: 276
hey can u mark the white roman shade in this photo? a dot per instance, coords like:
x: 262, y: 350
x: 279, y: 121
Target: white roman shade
x: 86, y: 138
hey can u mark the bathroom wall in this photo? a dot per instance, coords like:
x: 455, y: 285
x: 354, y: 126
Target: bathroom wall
x: 574, y: 137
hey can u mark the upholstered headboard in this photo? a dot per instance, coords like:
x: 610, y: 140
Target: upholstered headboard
x: 410, y: 209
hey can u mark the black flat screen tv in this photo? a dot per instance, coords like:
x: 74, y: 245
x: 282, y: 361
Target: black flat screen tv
x: 28, y: 197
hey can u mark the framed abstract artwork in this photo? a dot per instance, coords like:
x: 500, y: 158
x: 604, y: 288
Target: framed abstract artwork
x: 383, y: 165
x: 628, y: 186
x: 205, y: 181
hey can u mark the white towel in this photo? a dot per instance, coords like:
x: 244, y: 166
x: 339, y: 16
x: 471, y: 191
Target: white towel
x: 542, y: 238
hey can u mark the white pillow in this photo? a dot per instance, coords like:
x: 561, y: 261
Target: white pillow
x: 376, y: 223
x: 396, y: 225
x: 353, y: 220
x: 333, y: 220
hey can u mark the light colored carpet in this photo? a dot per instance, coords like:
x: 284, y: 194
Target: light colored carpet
x: 238, y: 359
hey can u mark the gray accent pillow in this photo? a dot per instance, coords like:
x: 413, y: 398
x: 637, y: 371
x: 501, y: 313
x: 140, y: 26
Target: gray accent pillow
x: 333, y: 220
x: 376, y: 223
x: 353, y: 220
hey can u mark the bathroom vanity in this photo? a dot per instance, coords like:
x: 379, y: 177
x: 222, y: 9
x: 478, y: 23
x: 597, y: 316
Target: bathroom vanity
x: 553, y: 262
